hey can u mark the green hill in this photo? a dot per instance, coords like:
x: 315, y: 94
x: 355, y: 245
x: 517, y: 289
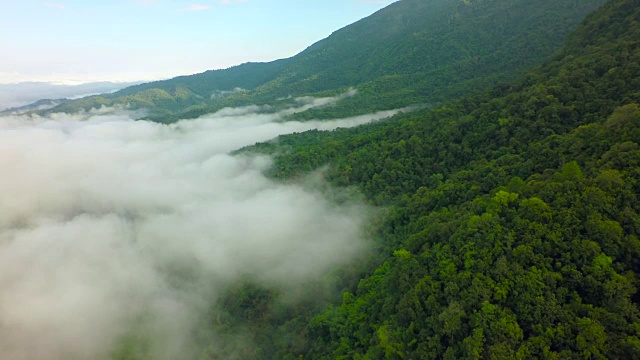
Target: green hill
x: 412, y: 52
x: 513, y: 219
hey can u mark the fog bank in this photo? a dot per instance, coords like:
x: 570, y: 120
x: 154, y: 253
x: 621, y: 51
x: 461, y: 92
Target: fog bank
x: 111, y: 227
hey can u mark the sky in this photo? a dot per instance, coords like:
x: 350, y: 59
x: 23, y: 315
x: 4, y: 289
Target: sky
x: 79, y: 41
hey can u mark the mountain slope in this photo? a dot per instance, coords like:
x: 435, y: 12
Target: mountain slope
x: 25, y: 93
x: 43, y: 104
x: 513, y: 217
x: 413, y: 51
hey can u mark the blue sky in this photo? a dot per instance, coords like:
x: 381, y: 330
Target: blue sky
x: 73, y: 41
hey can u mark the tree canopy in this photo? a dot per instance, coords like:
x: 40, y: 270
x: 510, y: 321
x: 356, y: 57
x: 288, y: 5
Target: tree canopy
x: 513, y: 215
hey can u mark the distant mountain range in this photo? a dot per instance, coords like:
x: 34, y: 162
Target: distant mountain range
x: 411, y: 52
x: 26, y: 96
x: 44, y: 104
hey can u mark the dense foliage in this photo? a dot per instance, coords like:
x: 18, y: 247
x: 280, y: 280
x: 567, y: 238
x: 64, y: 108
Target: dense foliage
x: 513, y: 219
x: 412, y: 52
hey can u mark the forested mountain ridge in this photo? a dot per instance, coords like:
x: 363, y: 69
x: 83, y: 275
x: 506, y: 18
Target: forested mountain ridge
x: 514, y: 218
x: 412, y: 52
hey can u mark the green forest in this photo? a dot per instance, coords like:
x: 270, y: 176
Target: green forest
x: 511, y: 226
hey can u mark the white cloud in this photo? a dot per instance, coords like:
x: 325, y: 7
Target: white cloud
x: 108, y: 223
x: 197, y: 7
x: 55, y: 5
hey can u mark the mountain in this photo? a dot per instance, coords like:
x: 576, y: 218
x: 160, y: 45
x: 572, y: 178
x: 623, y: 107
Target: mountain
x: 511, y: 226
x: 26, y: 93
x: 411, y: 52
x: 508, y: 222
x: 44, y: 104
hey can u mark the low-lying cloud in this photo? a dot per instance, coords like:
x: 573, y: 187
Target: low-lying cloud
x: 110, y: 226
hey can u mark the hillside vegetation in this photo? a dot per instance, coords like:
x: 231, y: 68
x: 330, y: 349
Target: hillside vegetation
x: 513, y: 219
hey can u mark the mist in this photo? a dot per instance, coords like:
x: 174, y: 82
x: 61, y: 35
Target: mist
x: 111, y: 226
